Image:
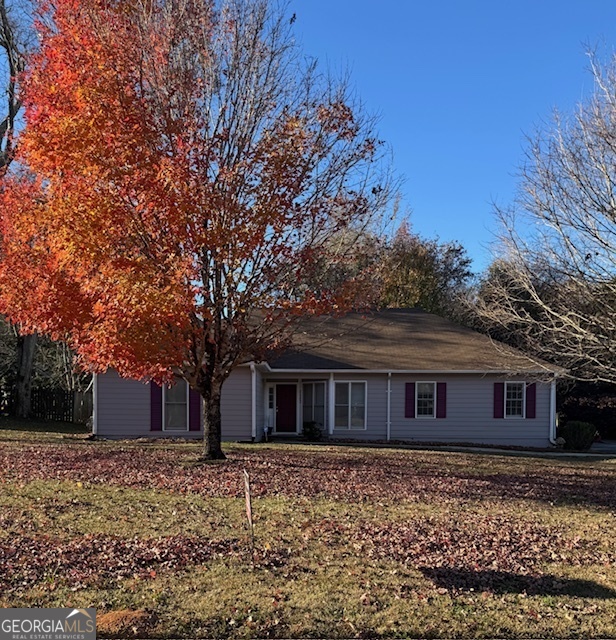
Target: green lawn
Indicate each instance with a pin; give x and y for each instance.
(350, 542)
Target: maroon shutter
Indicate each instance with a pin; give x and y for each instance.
(499, 399)
(409, 400)
(194, 410)
(156, 407)
(441, 399)
(531, 400)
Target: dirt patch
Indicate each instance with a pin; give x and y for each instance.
(123, 622)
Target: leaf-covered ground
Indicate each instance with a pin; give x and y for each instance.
(349, 542)
(338, 473)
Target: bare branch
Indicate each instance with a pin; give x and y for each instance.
(553, 290)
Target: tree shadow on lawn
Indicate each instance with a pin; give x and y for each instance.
(502, 582)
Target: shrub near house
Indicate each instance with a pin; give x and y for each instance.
(578, 435)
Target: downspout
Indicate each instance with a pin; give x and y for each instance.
(253, 417)
(389, 406)
(331, 404)
(552, 436)
(95, 405)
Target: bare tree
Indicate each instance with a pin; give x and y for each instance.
(553, 289)
(15, 41)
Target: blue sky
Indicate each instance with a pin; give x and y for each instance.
(458, 85)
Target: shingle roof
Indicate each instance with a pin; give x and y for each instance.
(400, 339)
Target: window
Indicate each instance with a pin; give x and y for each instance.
(270, 398)
(175, 407)
(350, 405)
(514, 399)
(313, 405)
(425, 399)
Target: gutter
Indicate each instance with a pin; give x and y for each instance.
(357, 371)
(552, 436)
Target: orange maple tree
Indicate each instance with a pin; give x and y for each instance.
(186, 171)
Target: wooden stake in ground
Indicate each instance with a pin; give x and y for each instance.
(249, 513)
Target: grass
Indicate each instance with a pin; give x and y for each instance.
(38, 430)
(349, 542)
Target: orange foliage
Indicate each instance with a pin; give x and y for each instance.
(152, 232)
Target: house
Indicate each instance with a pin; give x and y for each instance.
(398, 374)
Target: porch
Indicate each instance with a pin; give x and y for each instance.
(291, 403)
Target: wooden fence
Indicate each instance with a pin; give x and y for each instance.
(83, 405)
(53, 405)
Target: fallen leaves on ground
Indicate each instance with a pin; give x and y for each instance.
(494, 542)
(491, 551)
(93, 558)
(346, 475)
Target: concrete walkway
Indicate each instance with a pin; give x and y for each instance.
(605, 446)
(604, 449)
(596, 452)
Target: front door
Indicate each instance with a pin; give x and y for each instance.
(286, 408)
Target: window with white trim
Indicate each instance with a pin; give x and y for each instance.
(270, 397)
(514, 399)
(313, 404)
(425, 399)
(350, 405)
(175, 406)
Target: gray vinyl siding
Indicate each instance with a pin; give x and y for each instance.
(236, 405)
(470, 411)
(123, 408)
(470, 414)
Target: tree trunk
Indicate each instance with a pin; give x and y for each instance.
(212, 423)
(26, 346)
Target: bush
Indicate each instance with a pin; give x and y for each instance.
(578, 435)
(312, 431)
(588, 402)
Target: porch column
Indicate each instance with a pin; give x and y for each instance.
(95, 404)
(389, 406)
(332, 405)
(253, 405)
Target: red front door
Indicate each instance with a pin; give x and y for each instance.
(286, 408)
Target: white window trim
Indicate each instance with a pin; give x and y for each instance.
(313, 383)
(523, 416)
(349, 427)
(180, 381)
(268, 414)
(424, 417)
